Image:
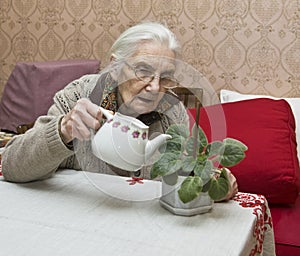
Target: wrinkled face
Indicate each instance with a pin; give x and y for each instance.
(139, 95)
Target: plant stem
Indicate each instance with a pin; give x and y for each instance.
(197, 129)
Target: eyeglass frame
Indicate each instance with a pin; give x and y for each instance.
(149, 79)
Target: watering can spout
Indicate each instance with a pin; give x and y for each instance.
(154, 144)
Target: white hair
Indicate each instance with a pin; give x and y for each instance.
(129, 41)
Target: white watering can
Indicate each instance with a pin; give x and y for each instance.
(122, 141)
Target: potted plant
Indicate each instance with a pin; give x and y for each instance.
(191, 169)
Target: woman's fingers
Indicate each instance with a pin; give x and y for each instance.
(87, 115)
(233, 186)
(79, 129)
(77, 123)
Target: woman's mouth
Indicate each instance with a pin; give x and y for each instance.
(145, 100)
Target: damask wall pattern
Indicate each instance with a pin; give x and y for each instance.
(250, 46)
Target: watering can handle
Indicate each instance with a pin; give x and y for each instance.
(106, 113)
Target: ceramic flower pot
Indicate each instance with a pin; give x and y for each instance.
(171, 201)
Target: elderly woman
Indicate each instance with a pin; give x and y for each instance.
(137, 82)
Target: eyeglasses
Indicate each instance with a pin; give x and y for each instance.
(145, 74)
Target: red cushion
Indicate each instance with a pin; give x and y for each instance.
(267, 127)
(31, 86)
(287, 250)
(287, 228)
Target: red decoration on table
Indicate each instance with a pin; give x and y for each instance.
(259, 205)
(135, 180)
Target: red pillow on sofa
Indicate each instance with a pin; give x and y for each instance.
(31, 86)
(267, 127)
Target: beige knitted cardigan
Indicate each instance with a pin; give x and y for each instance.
(40, 152)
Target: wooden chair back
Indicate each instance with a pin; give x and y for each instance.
(191, 97)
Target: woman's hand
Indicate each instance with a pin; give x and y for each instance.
(233, 186)
(77, 123)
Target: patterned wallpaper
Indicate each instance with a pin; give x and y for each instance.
(251, 46)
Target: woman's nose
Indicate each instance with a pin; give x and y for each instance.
(154, 84)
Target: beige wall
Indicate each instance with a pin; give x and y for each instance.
(251, 46)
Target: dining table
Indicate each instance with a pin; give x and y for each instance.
(86, 213)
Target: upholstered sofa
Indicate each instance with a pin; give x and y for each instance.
(270, 128)
(267, 126)
(285, 213)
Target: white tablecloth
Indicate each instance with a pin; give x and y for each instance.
(75, 213)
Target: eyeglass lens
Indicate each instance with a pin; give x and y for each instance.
(167, 81)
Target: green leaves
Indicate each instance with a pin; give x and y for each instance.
(228, 153)
(200, 136)
(204, 170)
(190, 188)
(233, 152)
(231, 141)
(178, 130)
(179, 134)
(175, 145)
(167, 164)
(193, 155)
(219, 186)
(214, 148)
(188, 164)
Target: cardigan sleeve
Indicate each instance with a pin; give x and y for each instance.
(39, 152)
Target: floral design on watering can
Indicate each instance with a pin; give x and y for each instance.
(125, 128)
